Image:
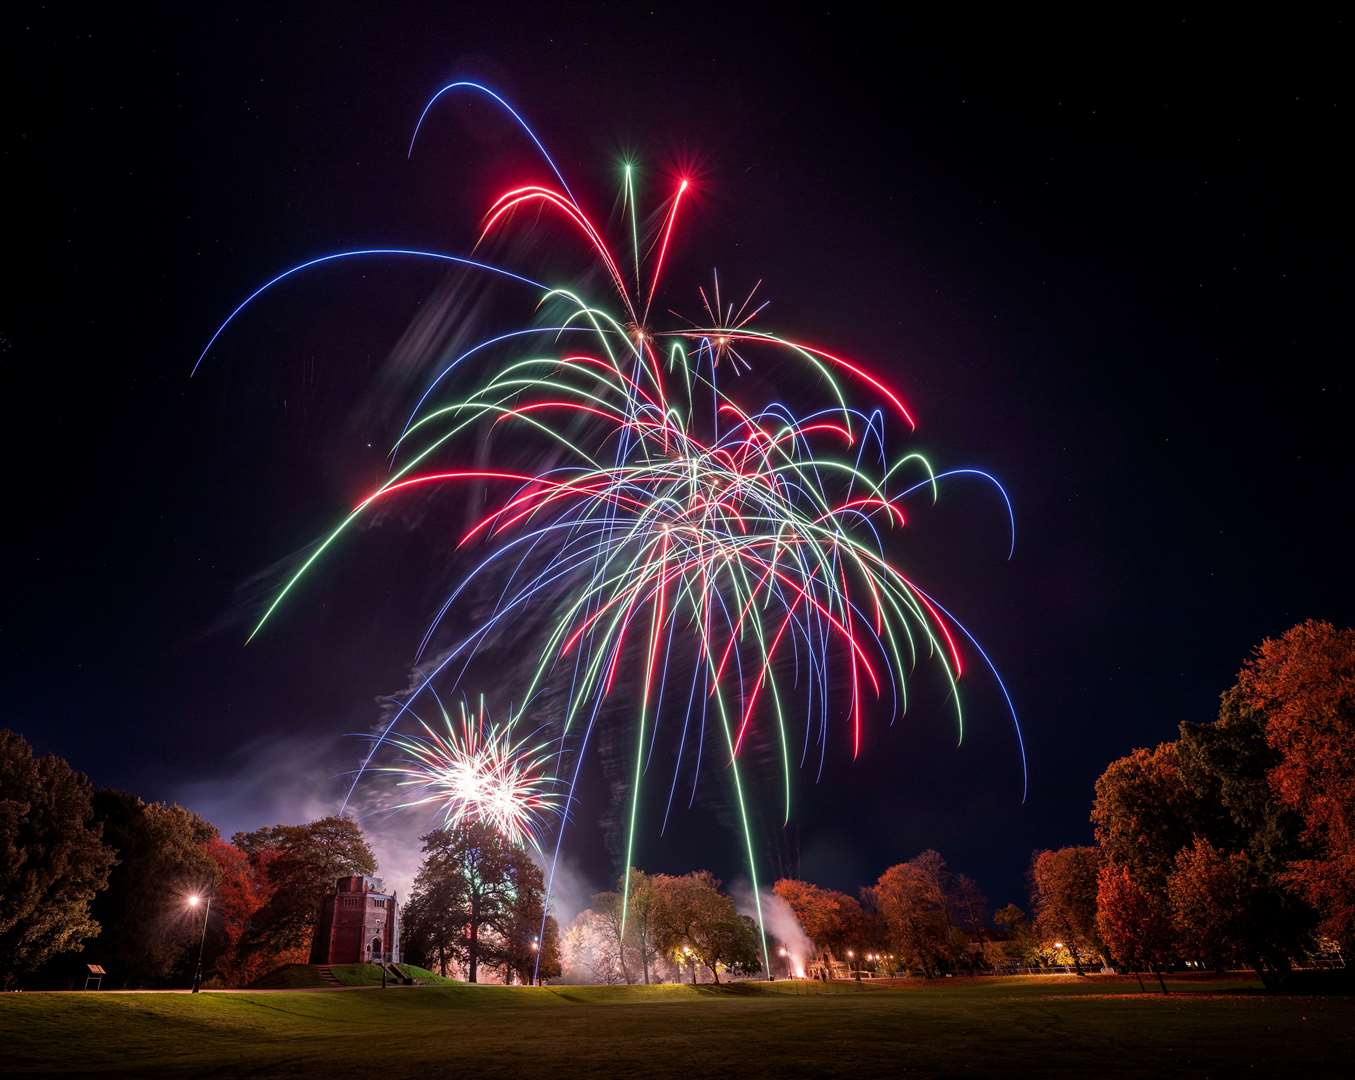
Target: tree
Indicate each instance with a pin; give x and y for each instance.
(552, 966)
(1304, 684)
(632, 911)
(1144, 813)
(237, 895)
(1133, 921)
(52, 860)
(587, 950)
(643, 903)
(1063, 893)
(1207, 799)
(1254, 838)
(912, 897)
(478, 899)
(1226, 764)
(1209, 892)
(434, 917)
(300, 864)
(477, 858)
(694, 920)
(691, 914)
(415, 947)
(675, 915)
(609, 909)
(730, 941)
(831, 920)
(969, 916)
(149, 932)
(1017, 943)
(526, 936)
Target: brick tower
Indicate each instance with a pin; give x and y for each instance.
(359, 923)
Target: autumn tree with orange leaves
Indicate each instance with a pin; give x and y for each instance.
(831, 920)
(237, 894)
(1063, 887)
(1303, 683)
(1134, 922)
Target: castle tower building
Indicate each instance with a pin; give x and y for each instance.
(359, 923)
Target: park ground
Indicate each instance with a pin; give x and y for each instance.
(1039, 1025)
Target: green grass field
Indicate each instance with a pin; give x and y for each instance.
(983, 1027)
(306, 976)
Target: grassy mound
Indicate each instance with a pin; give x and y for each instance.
(424, 977)
(307, 976)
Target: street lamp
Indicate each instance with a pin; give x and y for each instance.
(193, 901)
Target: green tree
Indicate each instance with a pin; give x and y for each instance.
(1227, 764)
(1017, 942)
(521, 939)
(627, 919)
(1254, 838)
(300, 864)
(433, 924)
(162, 858)
(52, 860)
(473, 876)
(643, 908)
(693, 918)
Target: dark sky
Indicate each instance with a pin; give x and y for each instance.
(1108, 261)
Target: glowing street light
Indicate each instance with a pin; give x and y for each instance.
(193, 901)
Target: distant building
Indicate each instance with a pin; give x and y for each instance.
(358, 924)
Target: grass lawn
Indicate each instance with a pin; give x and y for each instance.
(307, 976)
(1048, 1025)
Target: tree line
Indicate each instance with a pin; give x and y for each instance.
(661, 928)
(1232, 845)
(103, 877)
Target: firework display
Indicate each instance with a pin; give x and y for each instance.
(726, 566)
(475, 770)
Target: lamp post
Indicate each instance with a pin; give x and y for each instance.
(194, 901)
(536, 948)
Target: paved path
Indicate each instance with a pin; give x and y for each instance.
(269, 990)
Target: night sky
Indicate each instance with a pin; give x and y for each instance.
(1109, 263)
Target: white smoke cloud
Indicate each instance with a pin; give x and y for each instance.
(291, 779)
(781, 924)
(571, 891)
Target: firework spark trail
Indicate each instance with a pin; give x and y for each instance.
(478, 771)
(748, 541)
